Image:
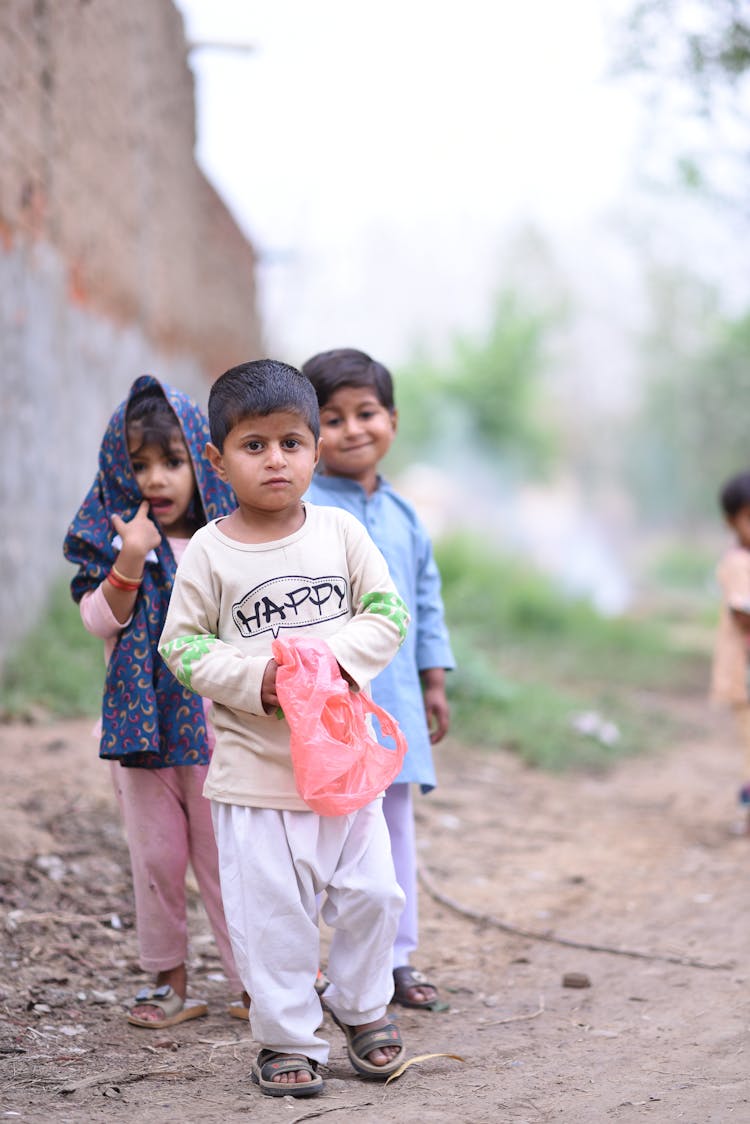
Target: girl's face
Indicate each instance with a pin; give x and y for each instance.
(167, 481)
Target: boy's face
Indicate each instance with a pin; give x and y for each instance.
(269, 462)
(356, 432)
(740, 524)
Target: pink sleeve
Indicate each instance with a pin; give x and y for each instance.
(98, 618)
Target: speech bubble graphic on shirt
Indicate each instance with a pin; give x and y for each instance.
(292, 601)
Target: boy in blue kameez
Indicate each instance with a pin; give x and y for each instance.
(358, 422)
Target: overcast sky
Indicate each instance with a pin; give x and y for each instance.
(388, 162)
(380, 157)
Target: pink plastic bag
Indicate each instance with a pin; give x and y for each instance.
(338, 764)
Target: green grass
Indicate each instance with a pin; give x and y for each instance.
(684, 567)
(59, 667)
(532, 662)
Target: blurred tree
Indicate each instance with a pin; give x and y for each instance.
(485, 396)
(495, 379)
(691, 430)
(706, 42)
(694, 56)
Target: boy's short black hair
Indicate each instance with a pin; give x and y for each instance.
(735, 494)
(345, 366)
(258, 389)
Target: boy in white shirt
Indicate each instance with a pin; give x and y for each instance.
(279, 565)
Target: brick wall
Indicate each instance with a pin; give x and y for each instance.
(116, 257)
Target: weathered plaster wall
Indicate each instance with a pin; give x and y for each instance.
(116, 257)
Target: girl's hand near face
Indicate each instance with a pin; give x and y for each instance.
(139, 536)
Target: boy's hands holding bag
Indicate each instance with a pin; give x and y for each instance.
(339, 766)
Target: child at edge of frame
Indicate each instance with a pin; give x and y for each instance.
(729, 678)
(153, 489)
(240, 576)
(358, 425)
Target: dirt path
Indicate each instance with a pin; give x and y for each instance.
(640, 859)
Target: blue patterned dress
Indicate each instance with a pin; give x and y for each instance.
(148, 719)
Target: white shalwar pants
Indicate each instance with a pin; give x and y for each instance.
(272, 864)
(399, 815)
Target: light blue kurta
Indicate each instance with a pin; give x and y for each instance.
(396, 530)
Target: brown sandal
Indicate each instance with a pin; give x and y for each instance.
(404, 979)
(270, 1064)
(361, 1043)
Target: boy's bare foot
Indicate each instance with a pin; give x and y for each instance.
(177, 980)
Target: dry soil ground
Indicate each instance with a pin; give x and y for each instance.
(640, 859)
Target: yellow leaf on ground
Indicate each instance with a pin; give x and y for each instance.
(421, 1058)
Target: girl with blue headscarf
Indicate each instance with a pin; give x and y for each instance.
(154, 488)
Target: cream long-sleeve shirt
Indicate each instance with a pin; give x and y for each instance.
(230, 600)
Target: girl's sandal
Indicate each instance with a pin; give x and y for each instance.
(269, 1064)
(241, 1009)
(174, 1008)
(321, 982)
(238, 1010)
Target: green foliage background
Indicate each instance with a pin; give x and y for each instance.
(690, 432)
(532, 660)
(529, 661)
(484, 400)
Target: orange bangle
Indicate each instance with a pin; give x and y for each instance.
(124, 577)
(126, 587)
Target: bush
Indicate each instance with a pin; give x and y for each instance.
(58, 667)
(543, 674)
(539, 673)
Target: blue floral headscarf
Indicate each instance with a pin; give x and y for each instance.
(148, 718)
